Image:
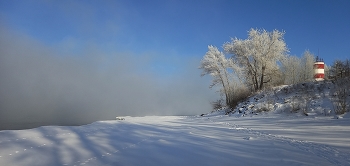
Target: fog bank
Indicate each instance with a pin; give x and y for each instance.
(41, 85)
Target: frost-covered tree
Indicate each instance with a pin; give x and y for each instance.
(291, 69)
(307, 63)
(215, 64)
(258, 55)
(298, 70)
(326, 71)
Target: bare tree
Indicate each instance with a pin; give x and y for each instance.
(347, 68)
(257, 56)
(340, 95)
(340, 69)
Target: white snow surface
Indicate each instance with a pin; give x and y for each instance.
(270, 128)
(213, 139)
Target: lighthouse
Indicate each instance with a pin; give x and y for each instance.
(319, 69)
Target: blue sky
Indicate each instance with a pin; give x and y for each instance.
(115, 51)
(180, 29)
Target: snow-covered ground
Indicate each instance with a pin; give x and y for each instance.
(216, 139)
(319, 98)
(288, 125)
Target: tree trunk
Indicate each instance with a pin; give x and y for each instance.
(262, 77)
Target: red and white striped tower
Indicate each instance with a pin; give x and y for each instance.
(319, 69)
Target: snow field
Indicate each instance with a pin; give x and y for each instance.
(173, 140)
(320, 136)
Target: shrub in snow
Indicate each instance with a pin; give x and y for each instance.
(295, 104)
(262, 107)
(218, 104)
(241, 94)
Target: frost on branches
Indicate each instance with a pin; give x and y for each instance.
(257, 56)
(298, 70)
(253, 64)
(225, 73)
(215, 64)
(259, 62)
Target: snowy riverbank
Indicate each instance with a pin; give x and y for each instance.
(172, 140)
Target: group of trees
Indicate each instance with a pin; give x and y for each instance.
(340, 74)
(298, 70)
(340, 69)
(255, 63)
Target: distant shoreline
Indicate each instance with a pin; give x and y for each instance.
(31, 125)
